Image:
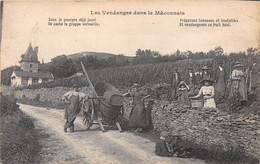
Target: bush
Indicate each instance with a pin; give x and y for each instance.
(8, 105)
(37, 97)
(19, 142)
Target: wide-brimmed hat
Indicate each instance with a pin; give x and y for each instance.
(205, 68)
(238, 64)
(135, 85)
(164, 134)
(190, 68)
(206, 79)
(175, 68)
(183, 83)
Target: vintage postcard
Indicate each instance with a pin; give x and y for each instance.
(130, 81)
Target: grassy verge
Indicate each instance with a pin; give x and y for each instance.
(19, 138)
(36, 102)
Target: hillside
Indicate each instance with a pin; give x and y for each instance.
(99, 55)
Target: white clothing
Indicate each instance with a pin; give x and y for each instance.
(208, 91)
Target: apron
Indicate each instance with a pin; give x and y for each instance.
(138, 116)
(71, 110)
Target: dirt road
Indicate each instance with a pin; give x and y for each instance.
(94, 146)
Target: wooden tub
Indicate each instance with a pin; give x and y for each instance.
(196, 103)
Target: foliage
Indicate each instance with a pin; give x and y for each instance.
(122, 77)
(19, 138)
(62, 67)
(6, 75)
(8, 105)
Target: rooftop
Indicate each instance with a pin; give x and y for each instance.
(45, 75)
(30, 55)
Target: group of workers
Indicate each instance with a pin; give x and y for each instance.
(193, 85)
(210, 85)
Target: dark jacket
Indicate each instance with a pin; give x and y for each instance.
(161, 149)
(174, 82)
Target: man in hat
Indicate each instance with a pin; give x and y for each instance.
(191, 81)
(253, 76)
(73, 99)
(205, 72)
(190, 77)
(238, 81)
(176, 146)
(175, 80)
(220, 79)
(161, 146)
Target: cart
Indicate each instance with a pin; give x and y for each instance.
(104, 107)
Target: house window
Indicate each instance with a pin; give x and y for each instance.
(31, 65)
(44, 80)
(24, 81)
(35, 80)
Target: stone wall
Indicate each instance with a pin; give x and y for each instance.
(207, 128)
(46, 94)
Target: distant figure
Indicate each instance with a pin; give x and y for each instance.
(176, 146)
(175, 80)
(73, 99)
(238, 81)
(190, 78)
(161, 146)
(183, 94)
(253, 78)
(220, 79)
(139, 118)
(208, 93)
(205, 72)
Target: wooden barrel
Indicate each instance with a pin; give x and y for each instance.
(196, 103)
(110, 93)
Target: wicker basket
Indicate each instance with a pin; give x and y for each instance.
(196, 103)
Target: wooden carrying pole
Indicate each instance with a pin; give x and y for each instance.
(89, 82)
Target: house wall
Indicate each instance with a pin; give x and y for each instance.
(16, 81)
(25, 66)
(30, 81)
(40, 80)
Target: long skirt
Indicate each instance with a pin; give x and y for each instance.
(71, 111)
(209, 103)
(138, 117)
(240, 86)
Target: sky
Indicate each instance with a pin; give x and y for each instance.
(27, 22)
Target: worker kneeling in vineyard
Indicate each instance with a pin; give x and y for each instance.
(73, 99)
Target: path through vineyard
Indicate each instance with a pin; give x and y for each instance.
(93, 146)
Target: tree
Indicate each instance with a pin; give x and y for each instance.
(219, 50)
(6, 74)
(62, 67)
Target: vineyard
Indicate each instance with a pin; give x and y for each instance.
(147, 74)
(124, 77)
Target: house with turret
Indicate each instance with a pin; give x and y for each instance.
(29, 70)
